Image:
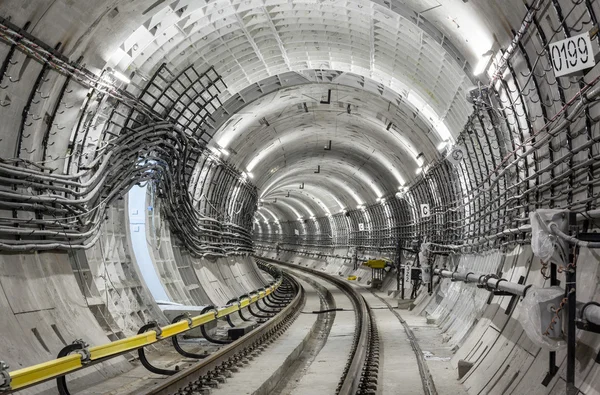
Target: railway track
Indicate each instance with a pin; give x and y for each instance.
(212, 371)
(362, 368)
(360, 371)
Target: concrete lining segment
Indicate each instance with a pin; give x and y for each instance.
(43, 289)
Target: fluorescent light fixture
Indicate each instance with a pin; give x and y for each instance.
(224, 152)
(442, 145)
(120, 76)
(419, 170)
(379, 199)
(215, 151)
(482, 65)
(420, 159)
(250, 175)
(399, 195)
(299, 218)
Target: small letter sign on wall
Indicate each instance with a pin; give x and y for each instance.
(425, 211)
(572, 54)
(296, 232)
(361, 226)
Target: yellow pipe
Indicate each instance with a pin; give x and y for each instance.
(174, 329)
(119, 346)
(227, 311)
(202, 319)
(44, 371)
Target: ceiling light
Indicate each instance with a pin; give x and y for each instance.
(224, 152)
(419, 170)
(442, 145)
(379, 199)
(250, 175)
(120, 76)
(482, 65)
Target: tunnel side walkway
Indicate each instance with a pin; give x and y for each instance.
(400, 372)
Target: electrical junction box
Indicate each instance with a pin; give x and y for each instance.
(415, 273)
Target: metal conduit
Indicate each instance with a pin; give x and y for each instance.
(486, 280)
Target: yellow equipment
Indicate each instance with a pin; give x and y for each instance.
(376, 263)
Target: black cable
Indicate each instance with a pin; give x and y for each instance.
(324, 311)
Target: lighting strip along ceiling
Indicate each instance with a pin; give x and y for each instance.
(247, 41)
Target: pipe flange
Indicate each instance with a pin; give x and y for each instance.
(4, 376)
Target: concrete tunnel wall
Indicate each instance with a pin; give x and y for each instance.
(479, 327)
(50, 299)
(54, 288)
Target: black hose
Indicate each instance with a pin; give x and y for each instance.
(176, 342)
(205, 333)
(61, 382)
(144, 360)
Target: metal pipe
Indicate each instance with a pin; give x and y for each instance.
(486, 280)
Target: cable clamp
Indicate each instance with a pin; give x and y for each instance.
(188, 318)
(4, 376)
(156, 327)
(83, 351)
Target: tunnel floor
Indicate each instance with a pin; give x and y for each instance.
(308, 358)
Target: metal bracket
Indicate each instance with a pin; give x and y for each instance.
(83, 351)
(5, 376)
(587, 326)
(80, 347)
(157, 329)
(142, 354)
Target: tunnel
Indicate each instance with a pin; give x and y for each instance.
(299, 197)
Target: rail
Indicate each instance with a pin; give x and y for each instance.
(358, 365)
(190, 381)
(87, 356)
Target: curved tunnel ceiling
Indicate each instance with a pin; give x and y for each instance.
(378, 80)
(384, 81)
(303, 119)
(375, 142)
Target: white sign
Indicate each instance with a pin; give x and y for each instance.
(407, 269)
(425, 211)
(361, 226)
(572, 54)
(296, 232)
(456, 155)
